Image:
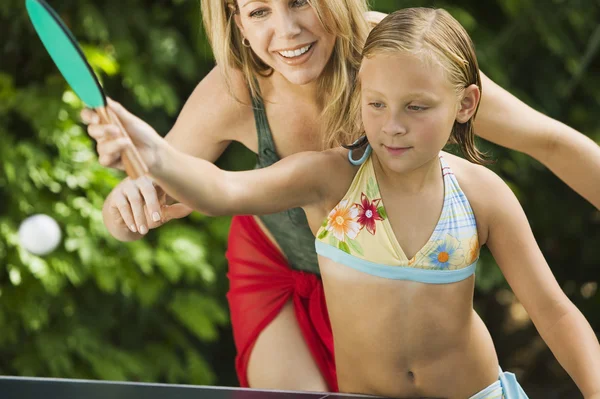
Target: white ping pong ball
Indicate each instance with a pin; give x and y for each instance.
(39, 234)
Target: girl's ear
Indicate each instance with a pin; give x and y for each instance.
(468, 104)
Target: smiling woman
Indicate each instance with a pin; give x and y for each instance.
(286, 36)
(285, 73)
(293, 55)
(326, 39)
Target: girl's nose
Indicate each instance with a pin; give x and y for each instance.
(394, 126)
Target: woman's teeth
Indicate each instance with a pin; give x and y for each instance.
(295, 53)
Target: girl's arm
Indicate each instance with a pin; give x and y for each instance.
(205, 134)
(562, 326)
(300, 180)
(572, 156)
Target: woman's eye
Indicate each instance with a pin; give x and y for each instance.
(377, 105)
(416, 108)
(258, 13)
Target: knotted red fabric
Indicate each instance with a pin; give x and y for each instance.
(260, 284)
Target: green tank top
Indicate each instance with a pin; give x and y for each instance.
(290, 228)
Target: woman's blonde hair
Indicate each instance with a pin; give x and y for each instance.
(436, 35)
(343, 18)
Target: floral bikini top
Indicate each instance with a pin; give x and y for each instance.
(358, 234)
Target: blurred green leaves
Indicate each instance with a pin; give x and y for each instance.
(148, 310)
(97, 308)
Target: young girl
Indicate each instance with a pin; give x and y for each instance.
(399, 226)
(280, 326)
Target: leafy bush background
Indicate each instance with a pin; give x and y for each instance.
(155, 310)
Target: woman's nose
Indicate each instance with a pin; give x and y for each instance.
(287, 26)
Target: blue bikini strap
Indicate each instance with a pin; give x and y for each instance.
(362, 159)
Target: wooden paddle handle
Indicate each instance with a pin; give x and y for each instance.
(132, 160)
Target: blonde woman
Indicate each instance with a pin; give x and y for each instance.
(284, 76)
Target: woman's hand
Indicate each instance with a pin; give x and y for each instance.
(134, 206)
(138, 206)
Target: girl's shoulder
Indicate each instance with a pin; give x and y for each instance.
(336, 173)
(481, 186)
(472, 178)
(334, 162)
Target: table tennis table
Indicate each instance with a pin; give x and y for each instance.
(56, 388)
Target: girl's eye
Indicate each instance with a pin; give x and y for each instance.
(377, 105)
(299, 3)
(416, 108)
(258, 13)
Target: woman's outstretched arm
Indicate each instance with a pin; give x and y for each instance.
(505, 120)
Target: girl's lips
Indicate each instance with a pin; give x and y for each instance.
(397, 150)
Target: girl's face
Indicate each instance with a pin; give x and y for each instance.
(408, 109)
(287, 36)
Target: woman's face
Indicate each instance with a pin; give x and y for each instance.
(287, 36)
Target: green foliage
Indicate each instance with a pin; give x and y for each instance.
(95, 307)
(149, 310)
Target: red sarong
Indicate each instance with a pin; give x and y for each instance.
(260, 283)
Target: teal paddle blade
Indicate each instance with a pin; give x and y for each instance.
(66, 53)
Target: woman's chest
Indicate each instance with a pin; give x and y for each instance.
(293, 128)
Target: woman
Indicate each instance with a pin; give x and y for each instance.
(285, 71)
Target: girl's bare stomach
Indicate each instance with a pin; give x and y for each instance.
(403, 339)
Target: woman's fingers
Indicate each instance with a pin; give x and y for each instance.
(176, 211)
(141, 205)
(122, 204)
(150, 196)
(136, 203)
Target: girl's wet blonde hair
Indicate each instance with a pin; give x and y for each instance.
(343, 18)
(437, 37)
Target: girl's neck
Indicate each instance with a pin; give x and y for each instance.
(410, 182)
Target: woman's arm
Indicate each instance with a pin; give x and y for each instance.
(374, 17)
(572, 156)
(562, 326)
(212, 118)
